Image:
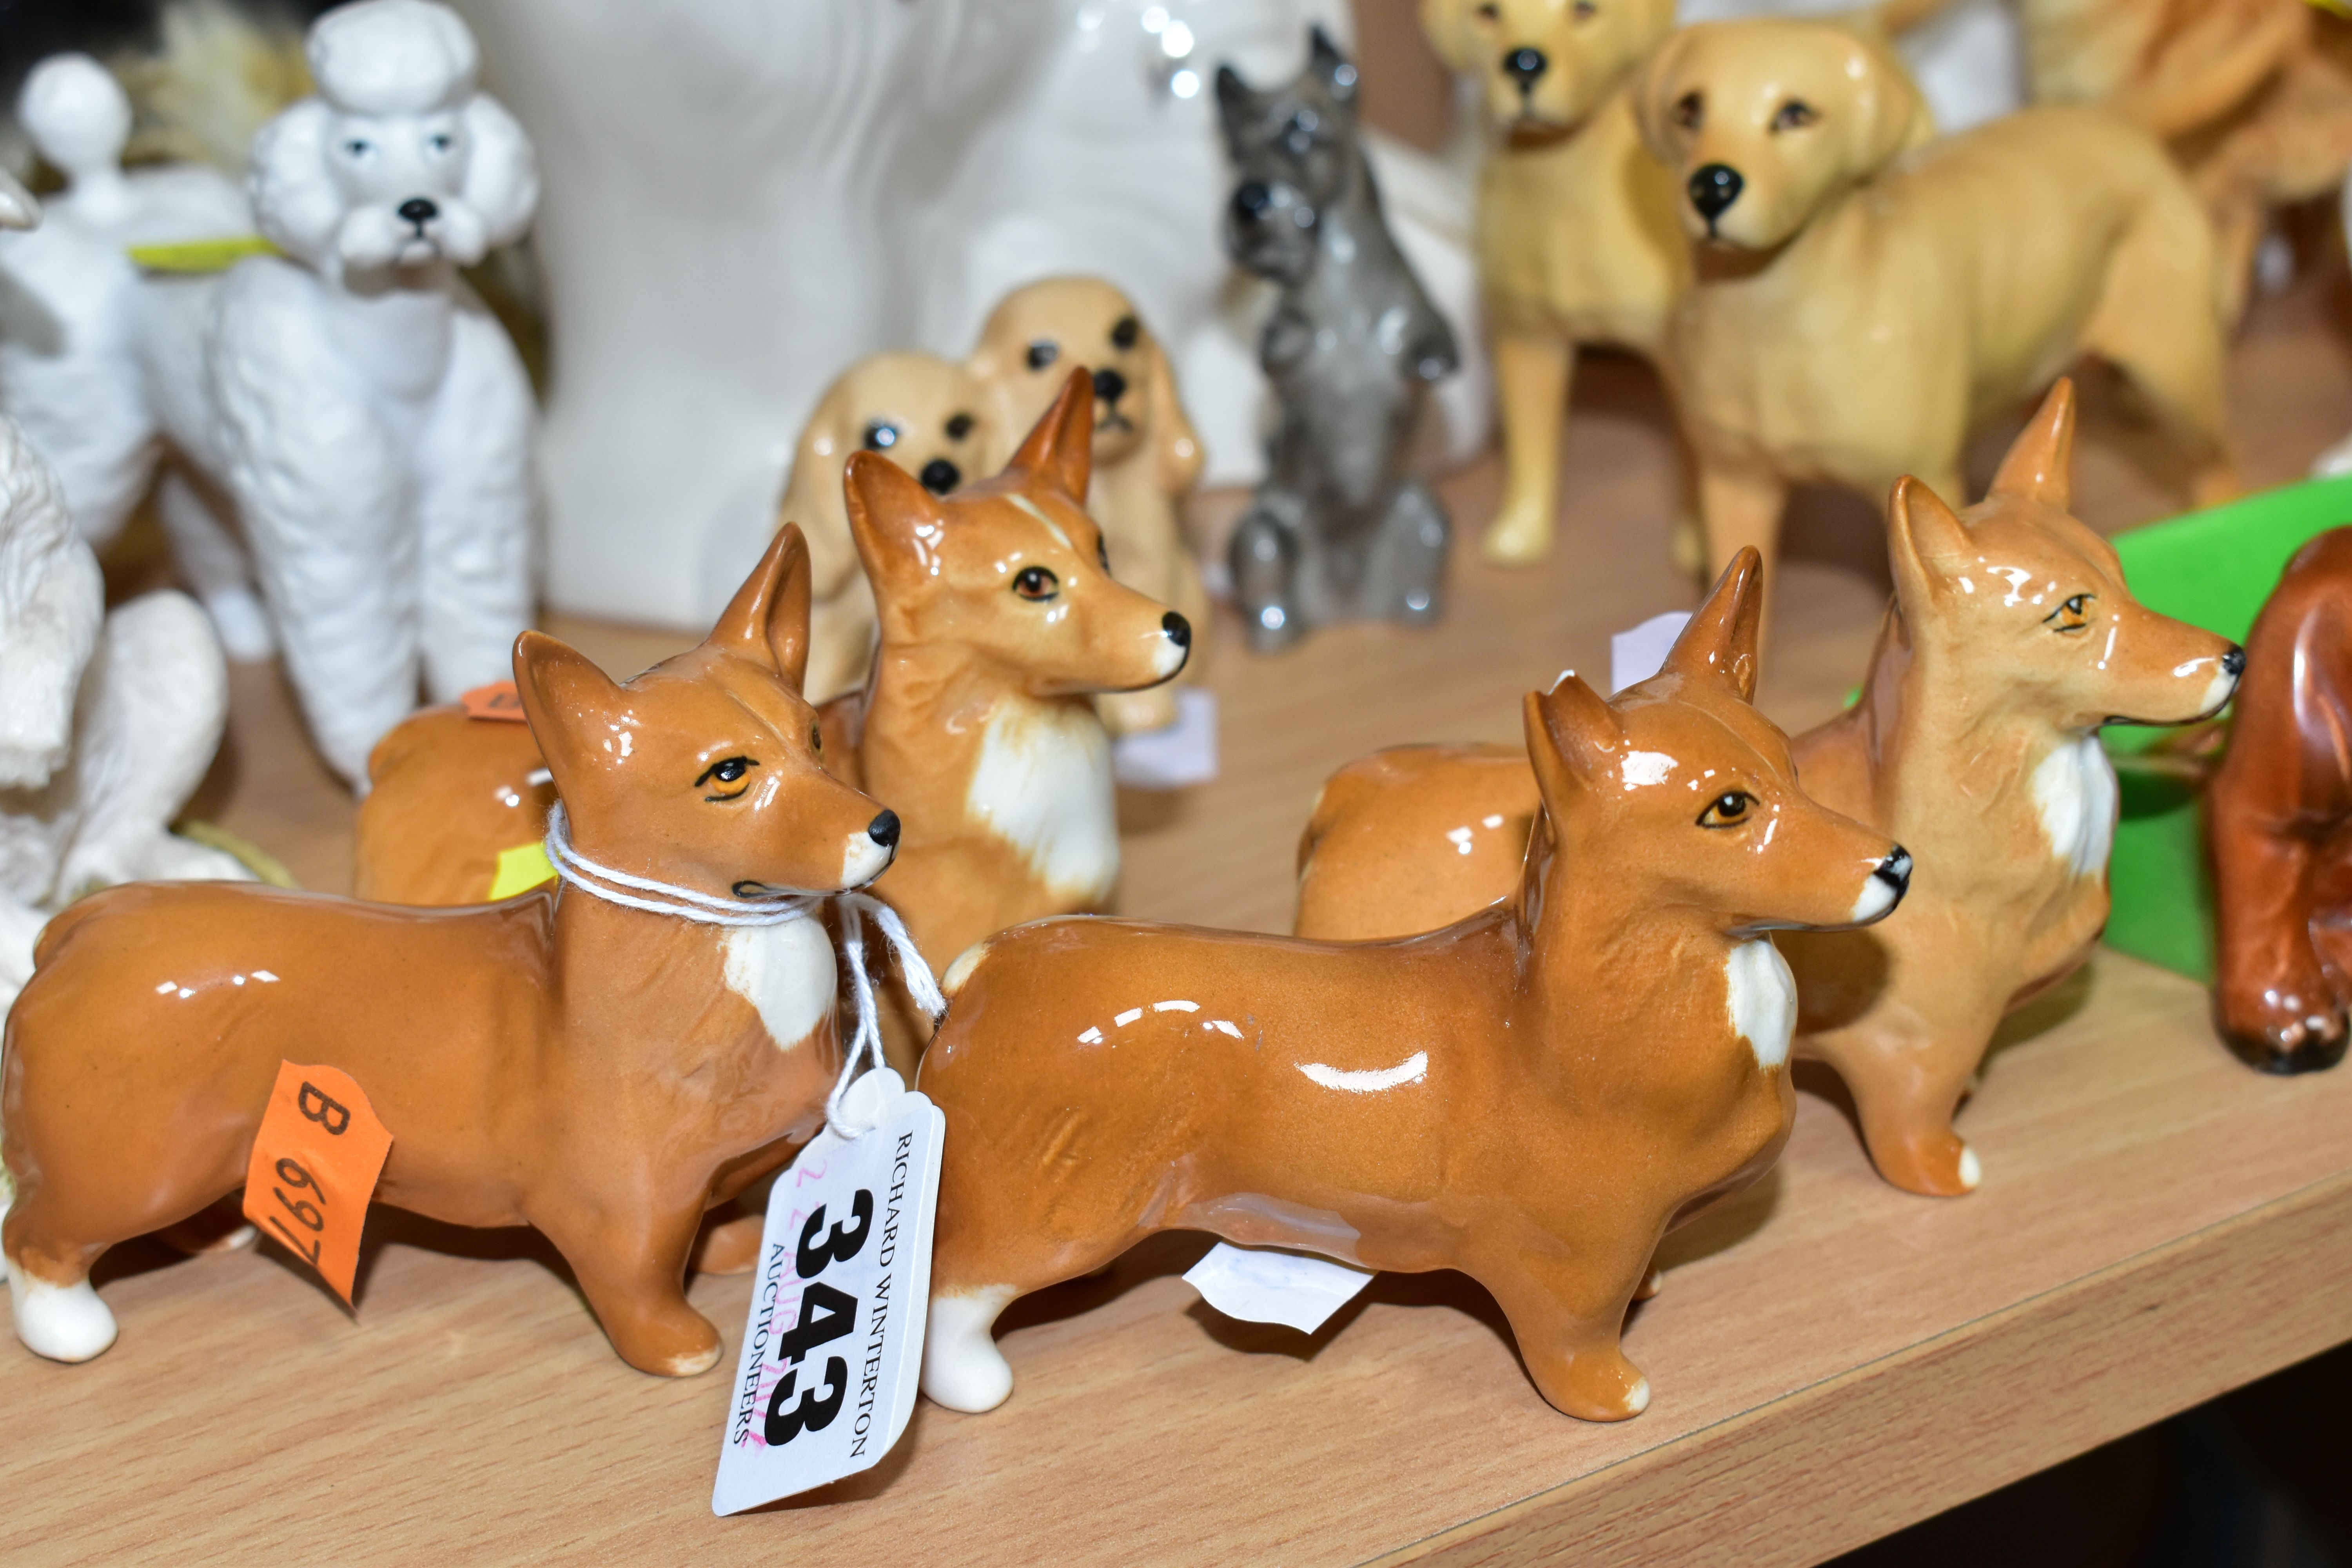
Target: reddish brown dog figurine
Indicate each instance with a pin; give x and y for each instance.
(2012, 640)
(2275, 821)
(563, 1060)
(1531, 1096)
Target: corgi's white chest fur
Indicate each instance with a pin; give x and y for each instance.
(2075, 795)
(1044, 786)
(1761, 996)
(787, 972)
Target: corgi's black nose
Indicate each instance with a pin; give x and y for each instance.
(1178, 629)
(1253, 198)
(1895, 871)
(2234, 661)
(884, 829)
(1524, 65)
(418, 211)
(1714, 188)
(1110, 386)
(939, 476)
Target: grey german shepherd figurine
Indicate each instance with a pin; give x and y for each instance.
(1336, 531)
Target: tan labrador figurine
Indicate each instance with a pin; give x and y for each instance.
(1862, 295)
(1146, 456)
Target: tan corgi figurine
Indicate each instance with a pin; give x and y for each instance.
(2011, 640)
(568, 1059)
(1147, 458)
(1532, 1095)
(1864, 296)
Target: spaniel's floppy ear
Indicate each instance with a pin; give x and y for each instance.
(812, 496)
(501, 171)
(1447, 24)
(1175, 445)
(295, 202)
(1891, 115)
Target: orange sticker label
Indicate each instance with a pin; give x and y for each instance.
(498, 699)
(314, 1166)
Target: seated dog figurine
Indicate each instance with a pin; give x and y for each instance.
(1863, 296)
(1976, 741)
(579, 1062)
(1335, 533)
(923, 413)
(1146, 457)
(2275, 816)
(361, 410)
(1533, 1095)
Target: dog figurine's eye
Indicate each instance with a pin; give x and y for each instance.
(1689, 110)
(1490, 13)
(1585, 10)
(2072, 616)
(1728, 809)
(1124, 331)
(1036, 583)
(732, 771)
(881, 436)
(1794, 115)
(1042, 353)
(441, 142)
(816, 738)
(959, 426)
(1102, 553)
(357, 148)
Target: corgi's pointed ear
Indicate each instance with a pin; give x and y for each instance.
(1571, 734)
(2041, 462)
(767, 621)
(564, 693)
(1926, 540)
(1060, 448)
(894, 520)
(1720, 640)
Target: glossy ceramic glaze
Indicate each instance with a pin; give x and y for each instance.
(2012, 640)
(1862, 295)
(1147, 458)
(602, 1073)
(2275, 820)
(1531, 1095)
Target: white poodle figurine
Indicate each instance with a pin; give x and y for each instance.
(352, 399)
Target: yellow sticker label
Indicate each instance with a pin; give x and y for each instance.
(201, 255)
(2340, 7)
(521, 869)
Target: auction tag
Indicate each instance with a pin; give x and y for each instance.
(1270, 1285)
(499, 701)
(314, 1166)
(834, 1347)
(1640, 653)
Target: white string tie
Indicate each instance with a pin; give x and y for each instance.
(771, 908)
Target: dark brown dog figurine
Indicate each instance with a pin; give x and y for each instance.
(2278, 825)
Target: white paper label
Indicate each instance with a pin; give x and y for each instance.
(1268, 1285)
(1636, 655)
(833, 1346)
(1183, 754)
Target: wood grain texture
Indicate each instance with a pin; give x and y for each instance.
(1832, 1359)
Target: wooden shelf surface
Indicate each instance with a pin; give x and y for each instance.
(1832, 1359)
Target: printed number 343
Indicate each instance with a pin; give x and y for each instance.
(826, 1314)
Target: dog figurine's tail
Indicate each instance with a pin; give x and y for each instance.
(79, 120)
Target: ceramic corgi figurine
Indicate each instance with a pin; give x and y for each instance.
(1864, 296)
(2011, 640)
(570, 1060)
(1147, 458)
(1532, 1095)
(2274, 817)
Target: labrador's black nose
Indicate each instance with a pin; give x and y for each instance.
(2234, 661)
(884, 829)
(1714, 188)
(939, 476)
(1524, 65)
(418, 211)
(1253, 198)
(1178, 629)
(1110, 386)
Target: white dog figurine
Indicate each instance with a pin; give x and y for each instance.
(358, 406)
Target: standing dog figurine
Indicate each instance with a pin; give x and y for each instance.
(603, 1064)
(1862, 298)
(1146, 457)
(2275, 818)
(1533, 1095)
(2011, 640)
(1336, 531)
(361, 408)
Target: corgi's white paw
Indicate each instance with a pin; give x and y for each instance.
(963, 1368)
(63, 1322)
